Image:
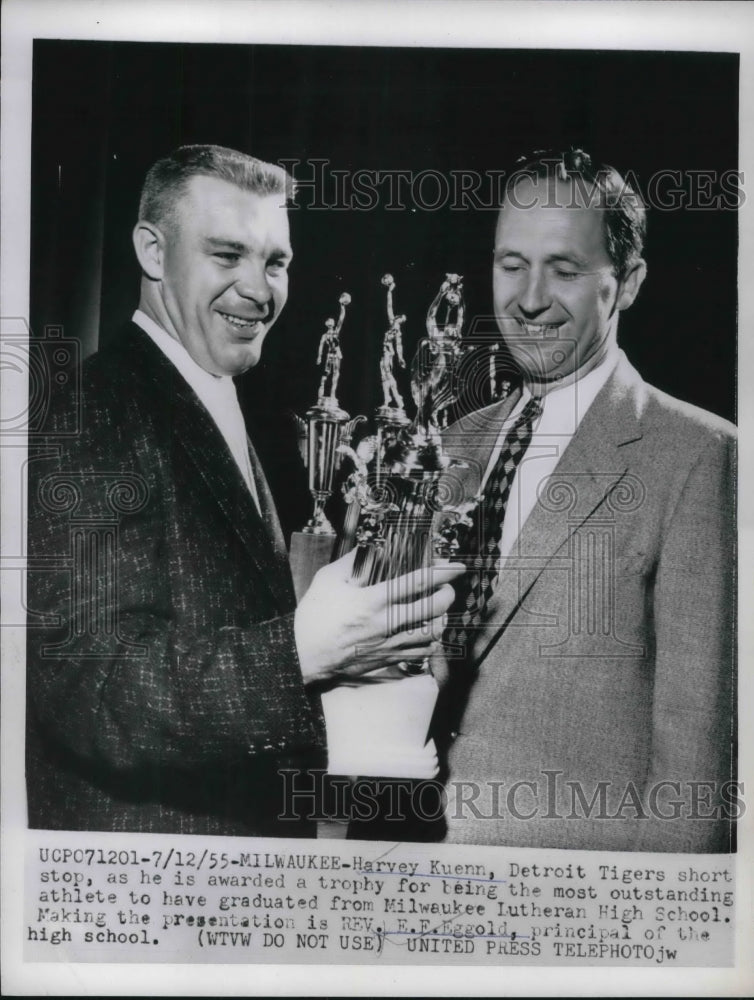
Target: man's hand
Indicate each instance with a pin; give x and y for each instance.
(343, 630)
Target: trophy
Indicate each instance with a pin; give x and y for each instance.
(392, 494)
(399, 518)
(377, 724)
(322, 435)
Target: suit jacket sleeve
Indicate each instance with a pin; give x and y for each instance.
(693, 699)
(192, 699)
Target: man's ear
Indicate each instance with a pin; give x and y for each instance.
(149, 244)
(630, 285)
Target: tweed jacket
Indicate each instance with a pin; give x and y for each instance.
(599, 688)
(164, 690)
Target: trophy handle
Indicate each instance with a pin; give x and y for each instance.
(302, 434)
(347, 429)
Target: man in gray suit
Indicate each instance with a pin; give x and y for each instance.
(591, 694)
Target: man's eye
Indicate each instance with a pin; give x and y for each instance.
(277, 266)
(228, 258)
(567, 275)
(511, 268)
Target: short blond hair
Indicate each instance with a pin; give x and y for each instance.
(166, 180)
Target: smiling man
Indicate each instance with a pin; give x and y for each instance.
(557, 290)
(215, 260)
(591, 697)
(170, 675)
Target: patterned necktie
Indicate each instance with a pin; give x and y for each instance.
(485, 533)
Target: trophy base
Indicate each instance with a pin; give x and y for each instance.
(322, 527)
(391, 416)
(328, 408)
(377, 725)
(309, 553)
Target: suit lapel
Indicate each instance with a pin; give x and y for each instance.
(267, 504)
(593, 464)
(194, 431)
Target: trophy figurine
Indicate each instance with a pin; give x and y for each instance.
(393, 411)
(330, 346)
(433, 383)
(327, 427)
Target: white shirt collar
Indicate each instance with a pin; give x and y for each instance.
(200, 380)
(563, 408)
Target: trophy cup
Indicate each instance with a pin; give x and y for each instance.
(321, 436)
(377, 724)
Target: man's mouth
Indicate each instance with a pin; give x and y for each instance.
(254, 325)
(538, 330)
(543, 331)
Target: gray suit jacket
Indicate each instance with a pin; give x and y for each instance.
(598, 692)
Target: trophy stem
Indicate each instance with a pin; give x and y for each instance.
(318, 523)
(363, 565)
(350, 524)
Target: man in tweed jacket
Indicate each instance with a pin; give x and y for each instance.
(594, 705)
(170, 676)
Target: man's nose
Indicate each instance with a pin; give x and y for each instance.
(252, 283)
(534, 297)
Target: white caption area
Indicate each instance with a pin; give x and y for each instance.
(145, 898)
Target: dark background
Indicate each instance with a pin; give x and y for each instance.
(104, 112)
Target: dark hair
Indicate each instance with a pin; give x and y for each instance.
(166, 180)
(625, 218)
